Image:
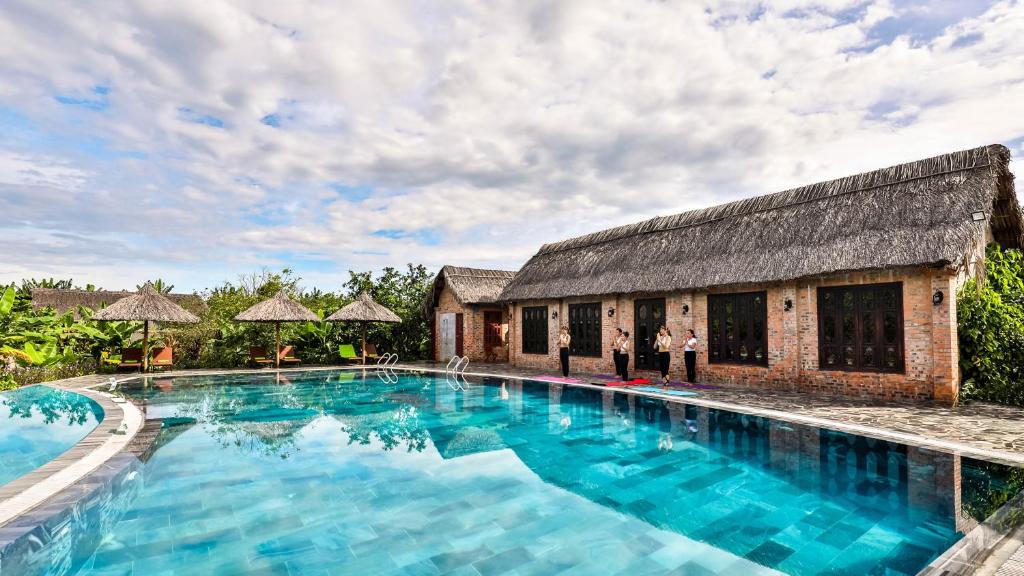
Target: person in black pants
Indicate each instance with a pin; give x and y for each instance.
(664, 344)
(624, 356)
(563, 349)
(616, 342)
(690, 356)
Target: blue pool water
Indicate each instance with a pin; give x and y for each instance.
(39, 423)
(334, 473)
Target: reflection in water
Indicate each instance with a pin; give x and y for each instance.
(418, 468)
(38, 423)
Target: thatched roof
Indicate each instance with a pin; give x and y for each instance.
(69, 300)
(468, 286)
(910, 215)
(280, 308)
(147, 304)
(471, 285)
(364, 309)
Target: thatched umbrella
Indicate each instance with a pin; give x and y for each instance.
(146, 306)
(278, 309)
(364, 310)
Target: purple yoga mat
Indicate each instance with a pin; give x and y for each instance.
(676, 384)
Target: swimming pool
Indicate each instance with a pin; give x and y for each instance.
(337, 473)
(39, 423)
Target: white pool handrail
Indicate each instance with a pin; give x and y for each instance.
(393, 360)
(460, 368)
(448, 367)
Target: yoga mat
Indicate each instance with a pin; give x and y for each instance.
(694, 386)
(657, 390)
(560, 380)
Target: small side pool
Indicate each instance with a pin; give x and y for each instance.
(39, 423)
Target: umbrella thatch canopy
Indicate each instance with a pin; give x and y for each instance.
(146, 306)
(364, 310)
(278, 309)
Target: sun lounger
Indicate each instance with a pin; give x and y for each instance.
(348, 354)
(162, 358)
(287, 355)
(258, 356)
(131, 359)
(372, 352)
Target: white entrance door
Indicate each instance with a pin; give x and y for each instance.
(447, 336)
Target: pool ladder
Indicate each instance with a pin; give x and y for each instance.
(460, 365)
(384, 365)
(456, 367)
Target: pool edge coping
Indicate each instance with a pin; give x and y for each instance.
(98, 447)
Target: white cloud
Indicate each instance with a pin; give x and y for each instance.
(476, 131)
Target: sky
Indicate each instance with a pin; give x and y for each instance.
(197, 140)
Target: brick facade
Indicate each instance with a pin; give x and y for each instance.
(472, 328)
(930, 338)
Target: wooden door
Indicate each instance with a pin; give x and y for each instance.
(492, 331)
(459, 335)
(648, 316)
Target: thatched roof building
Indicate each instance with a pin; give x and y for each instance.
(468, 285)
(69, 300)
(918, 214)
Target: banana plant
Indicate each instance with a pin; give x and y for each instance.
(40, 355)
(7, 302)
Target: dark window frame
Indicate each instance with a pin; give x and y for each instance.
(733, 320)
(868, 350)
(535, 329)
(585, 330)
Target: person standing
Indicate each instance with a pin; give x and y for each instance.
(563, 349)
(616, 342)
(663, 344)
(690, 356)
(624, 347)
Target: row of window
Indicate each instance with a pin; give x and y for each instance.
(860, 328)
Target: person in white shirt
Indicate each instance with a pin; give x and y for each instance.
(624, 347)
(690, 356)
(563, 349)
(663, 344)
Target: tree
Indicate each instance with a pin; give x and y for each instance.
(990, 318)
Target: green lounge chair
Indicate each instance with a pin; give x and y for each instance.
(348, 354)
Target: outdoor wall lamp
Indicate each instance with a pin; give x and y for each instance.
(978, 216)
(938, 297)
(686, 309)
(611, 312)
(788, 304)
(554, 315)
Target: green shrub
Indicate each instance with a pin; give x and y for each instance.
(990, 317)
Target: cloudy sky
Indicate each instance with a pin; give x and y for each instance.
(198, 139)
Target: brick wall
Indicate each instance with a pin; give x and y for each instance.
(472, 326)
(930, 339)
